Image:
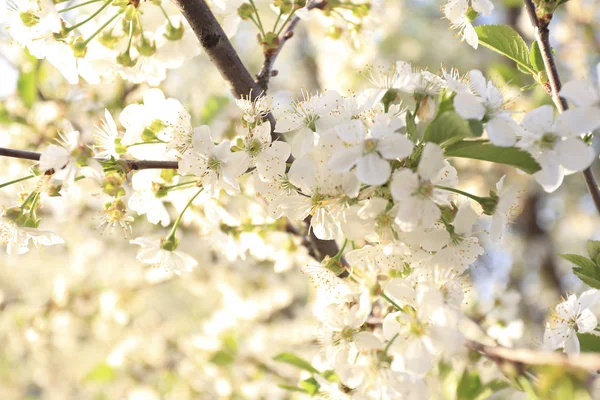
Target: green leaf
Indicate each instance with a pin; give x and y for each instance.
(476, 127)
(586, 270)
(593, 248)
(311, 386)
(578, 260)
(222, 358)
(589, 343)
(296, 361)
(447, 127)
(101, 373)
(469, 386)
(446, 101)
(506, 41)
(411, 127)
(483, 150)
(292, 388)
(27, 82)
(535, 57)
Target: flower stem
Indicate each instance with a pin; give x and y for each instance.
(389, 344)
(166, 16)
(338, 256)
(16, 181)
(111, 19)
(98, 11)
(259, 22)
(285, 22)
(77, 6)
(171, 235)
(469, 195)
(392, 302)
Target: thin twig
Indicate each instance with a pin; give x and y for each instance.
(132, 164)
(265, 73)
(526, 357)
(542, 36)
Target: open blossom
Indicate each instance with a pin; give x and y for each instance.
(424, 332)
(154, 253)
(107, 137)
(572, 316)
(157, 119)
(268, 157)
(457, 11)
(68, 158)
(586, 97)
(369, 151)
(216, 166)
(415, 192)
(17, 237)
(506, 210)
(555, 145)
(144, 199)
(308, 119)
(485, 103)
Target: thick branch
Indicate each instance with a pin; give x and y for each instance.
(132, 164)
(221, 52)
(263, 76)
(586, 361)
(542, 36)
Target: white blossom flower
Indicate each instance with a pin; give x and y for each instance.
(586, 96)
(415, 193)
(506, 210)
(268, 157)
(457, 12)
(554, 145)
(107, 137)
(144, 199)
(485, 103)
(308, 119)
(572, 316)
(153, 253)
(68, 158)
(425, 331)
(216, 166)
(17, 237)
(369, 152)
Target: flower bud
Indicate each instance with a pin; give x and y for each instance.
(174, 33)
(125, 59)
(489, 204)
(245, 11)
(169, 243)
(29, 19)
(147, 47)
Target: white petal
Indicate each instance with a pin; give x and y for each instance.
(395, 146)
(478, 81)
(469, 106)
(367, 341)
(344, 159)
(587, 321)
(484, 7)
(373, 170)
(404, 183)
(432, 161)
(539, 120)
(581, 120)
(470, 35)
(574, 154)
(582, 93)
(502, 131)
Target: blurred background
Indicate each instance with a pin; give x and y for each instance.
(87, 321)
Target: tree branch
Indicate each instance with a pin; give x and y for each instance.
(542, 36)
(132, 164)
(221, 53)
(225, 58)
(526, 357)
(265, 73)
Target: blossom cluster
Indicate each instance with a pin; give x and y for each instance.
(363, 170)
(136, 40)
